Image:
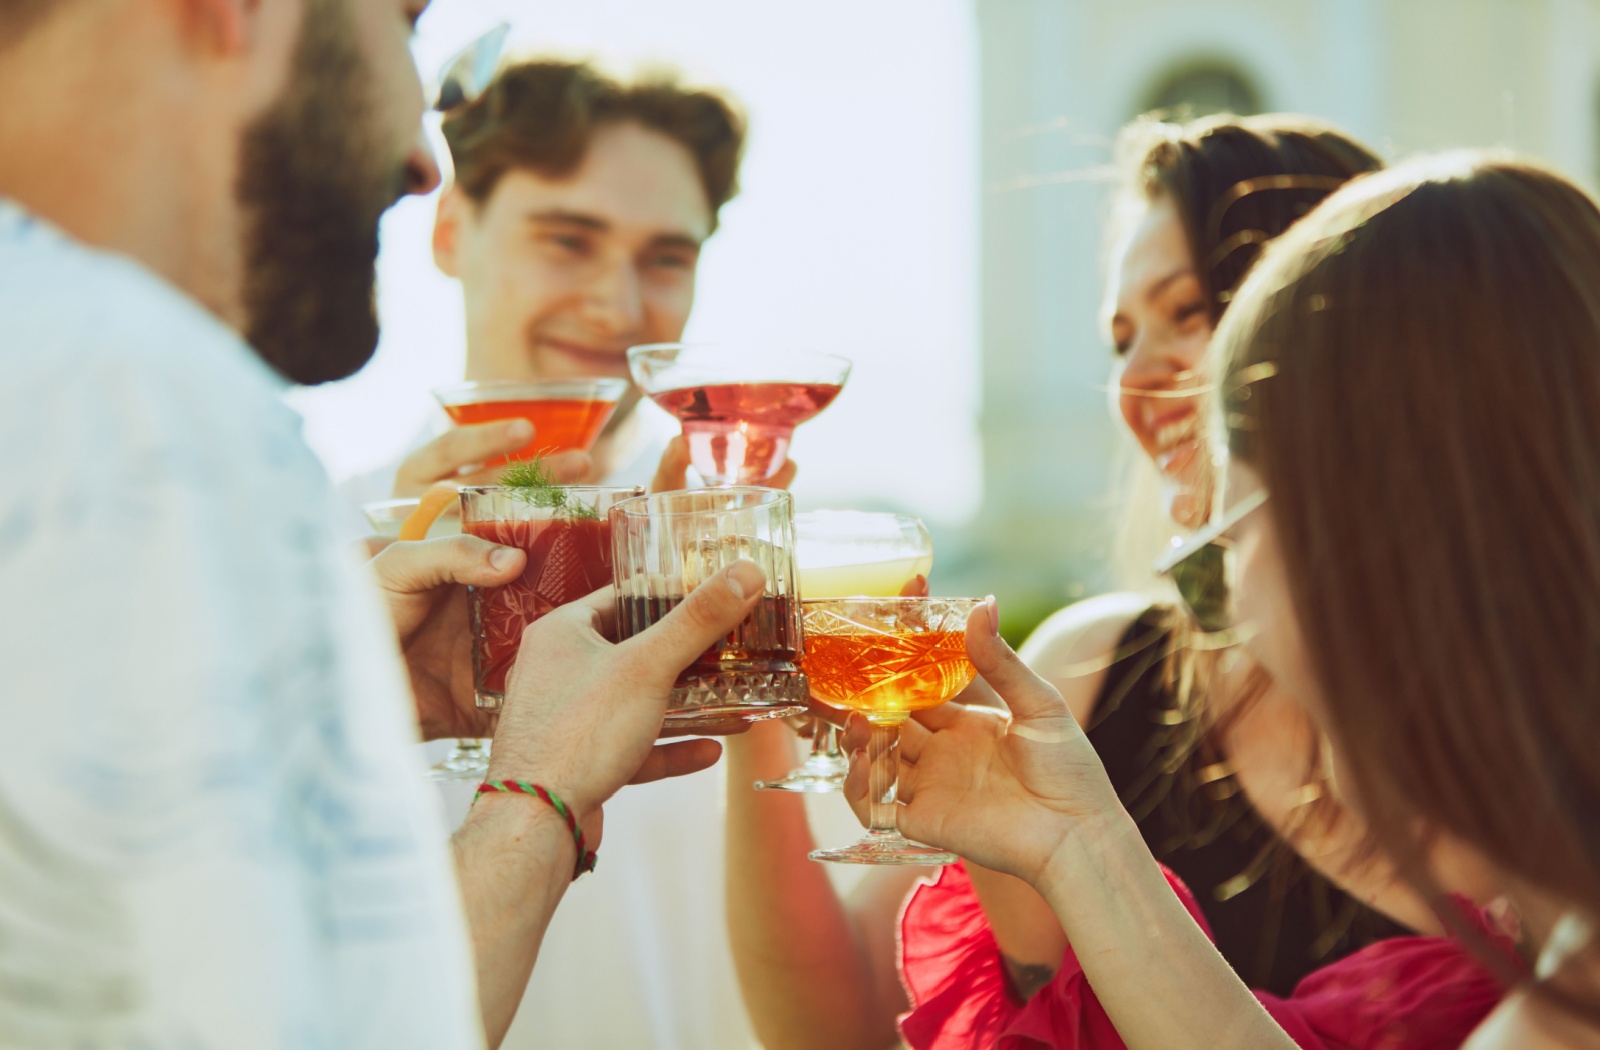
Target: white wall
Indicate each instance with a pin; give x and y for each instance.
(855, 232)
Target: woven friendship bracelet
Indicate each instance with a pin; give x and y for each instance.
(586, 856)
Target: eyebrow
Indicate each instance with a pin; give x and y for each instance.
(1155, 290)
(600, 225)
(1162, 285)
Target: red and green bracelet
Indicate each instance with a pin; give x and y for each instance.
(586, 856)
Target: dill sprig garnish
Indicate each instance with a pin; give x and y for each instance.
(530, 481)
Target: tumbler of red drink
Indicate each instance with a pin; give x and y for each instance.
(667, 544)
(569, 555)
(566, 414)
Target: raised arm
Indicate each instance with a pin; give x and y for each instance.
(1028, 796)
(1072, 650)
(581, 720)
(817, 970)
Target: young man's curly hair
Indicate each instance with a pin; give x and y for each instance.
(541, 116)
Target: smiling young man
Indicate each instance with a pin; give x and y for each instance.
(213, 830)
(574, 224)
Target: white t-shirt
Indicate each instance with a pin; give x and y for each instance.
(213, 832)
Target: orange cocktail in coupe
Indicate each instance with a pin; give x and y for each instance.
(886, 657)
(566, 414)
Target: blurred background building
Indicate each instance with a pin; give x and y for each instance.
(925, 193)
(1059, 77)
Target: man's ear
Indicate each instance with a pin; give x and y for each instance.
(454, 211)
(252, 42)
(223, 27)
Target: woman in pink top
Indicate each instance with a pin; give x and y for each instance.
(1400, 993)
(1408, 537)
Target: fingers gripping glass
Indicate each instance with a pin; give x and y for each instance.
(1202, 568)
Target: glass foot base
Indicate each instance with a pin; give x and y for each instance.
(727, 717)
(817, 776)
(732, 695)
(469, 760)
(885, 848)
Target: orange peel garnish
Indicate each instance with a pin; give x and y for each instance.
(433, 503)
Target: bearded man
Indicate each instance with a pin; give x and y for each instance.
(212, 830)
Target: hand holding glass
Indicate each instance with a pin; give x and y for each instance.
(567, 538)
(887, 657)
(664, 546)
(468, 758)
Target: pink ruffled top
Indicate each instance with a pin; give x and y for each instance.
(1403, 993)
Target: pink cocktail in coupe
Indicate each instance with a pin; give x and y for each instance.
(738, 406)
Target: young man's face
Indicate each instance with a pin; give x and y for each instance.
(560, 277)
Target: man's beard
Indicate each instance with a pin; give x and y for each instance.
(313, 183)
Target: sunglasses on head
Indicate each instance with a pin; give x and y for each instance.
(1202, 567)
(468, 72)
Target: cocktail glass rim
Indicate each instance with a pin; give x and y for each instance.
(481, 489)
(582, 388)
(718, 490)
(755, 354)
(921, 599)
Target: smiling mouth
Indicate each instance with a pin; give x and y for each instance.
(575, 350)
(1176, 444)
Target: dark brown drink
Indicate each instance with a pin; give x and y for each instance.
(666, 544)
(768, 642)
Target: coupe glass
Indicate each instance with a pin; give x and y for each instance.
(569, 556)
(468, 758)
(664, 545)
(738, 405)
(842, 554)
(566, 414)
(887, 657)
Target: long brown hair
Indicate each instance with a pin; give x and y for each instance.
(1414, 372)
(1236, 183)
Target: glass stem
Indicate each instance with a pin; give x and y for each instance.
(884, 771)
(468, 743)
(824, 739)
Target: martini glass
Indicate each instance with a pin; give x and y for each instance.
(566, 414)
(738, 405)
(843, 554)
(468, 758)
(886, 657)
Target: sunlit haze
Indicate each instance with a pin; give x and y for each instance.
(854, 233)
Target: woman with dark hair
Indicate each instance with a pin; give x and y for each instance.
(1218, 766)
(1409, 541)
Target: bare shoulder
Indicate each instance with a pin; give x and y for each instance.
(1073, 649)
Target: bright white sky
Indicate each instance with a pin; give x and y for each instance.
(855, 233)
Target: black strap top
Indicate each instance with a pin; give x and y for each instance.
(1274, 918)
